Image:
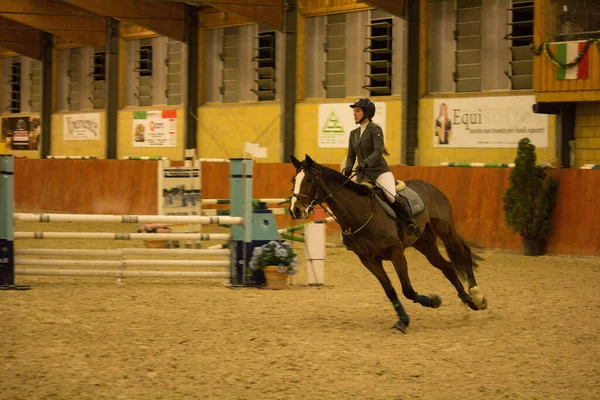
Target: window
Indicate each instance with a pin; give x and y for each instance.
(379, 64)
(520, 36)
(230, 58)
(174, 64)
(35, 96)
(143, 69)
(74, 74)
(569, 20)
(335, 54)
(98, 76)
(467, 72)
(265, 68)
(14, 79)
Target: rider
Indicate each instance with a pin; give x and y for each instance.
(366, 144)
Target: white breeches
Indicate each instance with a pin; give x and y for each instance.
(388, 183)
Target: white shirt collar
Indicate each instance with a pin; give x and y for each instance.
(363, 126)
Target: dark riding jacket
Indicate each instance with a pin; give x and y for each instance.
(368, 148)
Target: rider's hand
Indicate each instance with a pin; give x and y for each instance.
(359, 168)
(347, 172)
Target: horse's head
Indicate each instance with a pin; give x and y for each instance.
(307, 191)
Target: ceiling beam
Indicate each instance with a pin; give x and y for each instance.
(395, 7)
(269, 12)
(59, 19)
(214, 18)
(167, 19)
(20, 38)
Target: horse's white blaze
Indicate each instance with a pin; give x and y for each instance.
(297, 185)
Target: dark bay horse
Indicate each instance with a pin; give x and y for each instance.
(375, 236)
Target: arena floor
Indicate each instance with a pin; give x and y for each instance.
(90, 338)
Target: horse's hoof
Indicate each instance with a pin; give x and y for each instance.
(401, 326)
(468, 301)
(436, 301)
(479, 299)
(484, 303)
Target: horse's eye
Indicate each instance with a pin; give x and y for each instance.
(309, 180)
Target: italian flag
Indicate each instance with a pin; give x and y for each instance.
(566, 53)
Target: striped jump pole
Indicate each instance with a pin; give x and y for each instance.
(223, 160)
(477, 164)
(71, 157)
(7, 209)
(299, 227)
(279, 200)
(130, 219)
(144, 158)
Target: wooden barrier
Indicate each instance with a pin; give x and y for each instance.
(129, 187)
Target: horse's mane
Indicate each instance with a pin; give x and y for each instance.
(333, 175)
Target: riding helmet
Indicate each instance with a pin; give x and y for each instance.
(367, 106)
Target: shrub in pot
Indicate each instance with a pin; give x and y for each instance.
(530, 200)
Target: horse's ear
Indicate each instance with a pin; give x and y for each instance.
(309, 161)
(296, 162)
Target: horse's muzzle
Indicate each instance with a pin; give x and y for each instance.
(296, 213)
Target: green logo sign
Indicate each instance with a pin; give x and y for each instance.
(332, 125)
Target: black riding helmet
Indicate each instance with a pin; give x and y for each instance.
(367, 106)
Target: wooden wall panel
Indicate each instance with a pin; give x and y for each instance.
(86, 186)
(129, 187)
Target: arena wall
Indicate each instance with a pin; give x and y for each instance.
(129, 187)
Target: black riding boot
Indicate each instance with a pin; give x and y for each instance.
(401, 208)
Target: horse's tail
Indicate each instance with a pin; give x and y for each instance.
(463, 254)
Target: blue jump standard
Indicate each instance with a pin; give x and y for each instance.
(7, 248)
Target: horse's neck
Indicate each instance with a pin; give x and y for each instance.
(348, 206)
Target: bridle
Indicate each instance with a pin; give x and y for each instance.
(315, 201)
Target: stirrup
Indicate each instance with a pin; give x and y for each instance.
(412, 228)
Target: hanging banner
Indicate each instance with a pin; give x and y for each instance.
(336, 120)
(155, 128)
(487, 122)
(81, 126)
(21, 133)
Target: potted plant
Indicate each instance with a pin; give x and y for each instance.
(530, 200)
(276, 260)
(155, 228)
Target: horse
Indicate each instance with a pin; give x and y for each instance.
(373, 235)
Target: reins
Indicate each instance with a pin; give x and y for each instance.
(316, 201)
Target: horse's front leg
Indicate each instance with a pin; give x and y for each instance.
(376, 267)
(401, 267)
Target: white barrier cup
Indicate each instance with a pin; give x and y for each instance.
(314, 249)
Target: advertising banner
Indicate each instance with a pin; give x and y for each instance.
(487, 122)
(336, 120)
(155, 128)
(21, 133)
(81, 126)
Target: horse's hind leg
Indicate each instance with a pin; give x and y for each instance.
(427, 246)
(401, 267)
(375, 266)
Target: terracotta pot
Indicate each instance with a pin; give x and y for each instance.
(275, 280)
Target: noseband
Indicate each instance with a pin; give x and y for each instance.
(314, 200)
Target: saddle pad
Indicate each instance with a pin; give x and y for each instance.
(416, 203)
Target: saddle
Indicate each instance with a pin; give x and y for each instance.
(414, 204)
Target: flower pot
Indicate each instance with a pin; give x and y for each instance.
(533, 246)
(156, 244)
(275, 280)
